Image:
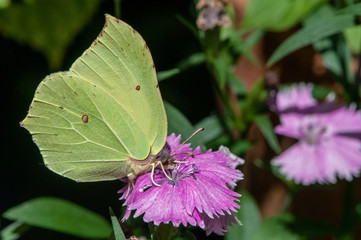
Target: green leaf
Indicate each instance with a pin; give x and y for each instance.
(240, 147)
(277, 15)
(179, 124)
(358, 209)
(267, 129)
(250, 218)
(118, 232)
(237, 84)
(224, 139)
(14, 231)
(4, 3)
(60, 215)
(191, 61)
(330, 56)
(241, 45)
(246, 48)
(354, 9)
(213, 128)
(353, 38)
(162, 231)
(310, 34)
(320, 92)
(232, 32)
(186, 235)
(254, 104)
(191, 27)
(275, 228)
(336, 55)
(325, 11)
(254, 38)
(277, 173)
(162, 75)
(46, 26)
(221, 68)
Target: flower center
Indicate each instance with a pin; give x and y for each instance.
(313, 132)
(181, 171)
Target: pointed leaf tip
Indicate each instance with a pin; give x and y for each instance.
(117, 229)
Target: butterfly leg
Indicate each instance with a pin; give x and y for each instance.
(163, 170)
(154, 165)
(131, 178)
(152, 174)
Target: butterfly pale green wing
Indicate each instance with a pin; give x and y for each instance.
(107, 109)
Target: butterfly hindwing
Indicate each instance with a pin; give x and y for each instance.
(88, 121)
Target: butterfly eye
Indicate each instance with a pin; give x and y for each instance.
(85, 118)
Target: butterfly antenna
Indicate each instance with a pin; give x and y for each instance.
(197, 131)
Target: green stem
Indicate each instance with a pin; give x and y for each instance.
(346, 79)
(161, 232)
(211, 44)
(358, 81)
(288, 201)
(117, 8)
(348, 214)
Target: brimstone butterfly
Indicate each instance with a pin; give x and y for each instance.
(103, 119)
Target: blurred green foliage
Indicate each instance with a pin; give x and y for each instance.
(60, 215)
(250, 220)
(48, 26)
(278, 15)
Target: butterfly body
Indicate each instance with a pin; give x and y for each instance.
(104, 118)
(164, 157)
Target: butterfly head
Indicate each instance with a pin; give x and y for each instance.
(165, 157)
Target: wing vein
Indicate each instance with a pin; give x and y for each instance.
(100, 87)
(79, 133)
(110, 128)
(88, 161)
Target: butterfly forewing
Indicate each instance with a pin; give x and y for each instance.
(87, 122)
(119, 61)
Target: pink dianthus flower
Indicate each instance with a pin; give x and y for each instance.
(329, 137)
(199, 193)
